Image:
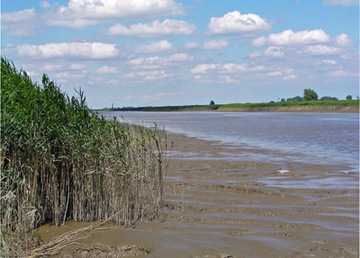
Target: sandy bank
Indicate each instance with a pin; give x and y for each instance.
(215, 206)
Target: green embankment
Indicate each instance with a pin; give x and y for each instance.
(304, 106)
(61, 161)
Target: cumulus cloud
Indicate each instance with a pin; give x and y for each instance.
(329, 61)
(341, 2)
(107, 70)
(288, 37)
(237, 68)
(44, 4)
(207, 45)
(80, 13)
(180, 57)
(154, 29)
(157, 47)
(215, 44)
(226, 68)
(343, 40)
(148, 75)
(157, 62)
(275, 51)
(21, 23)
(322, 50)
(204, 68)
(87, 50)
(236, 23)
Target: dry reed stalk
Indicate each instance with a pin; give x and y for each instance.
(54, 247)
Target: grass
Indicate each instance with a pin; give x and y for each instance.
(62, 161)
(326, 105)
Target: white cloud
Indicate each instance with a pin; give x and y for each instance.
(258, 42)
(215, 44)
(44, 4)
(288, 37)
(228, 79)
(237, 68)
(87, 50)
(156, 62)
(21, 23)
(274, 51)
(180, 57)
(208, 45)
(343, 40)
(136, 61)
(107, 70)
(20, 16)
(157, 47)
(148, 75)
(284, 74)
(329, 61)
(80, 13)
(154, 29)
(338, 73)
(341, 2)
(322, 50)
(204, 68)
(226, 68)
(78, 66)
(235, 23)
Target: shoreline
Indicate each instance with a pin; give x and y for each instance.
(220, 208)
(344, 106)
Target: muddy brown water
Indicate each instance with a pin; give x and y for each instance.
(215, 207)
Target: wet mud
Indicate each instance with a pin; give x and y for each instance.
(219, 205)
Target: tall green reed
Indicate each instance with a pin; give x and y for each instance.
(61, 161)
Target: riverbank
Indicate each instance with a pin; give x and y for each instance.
(215, 206)
(347, 106)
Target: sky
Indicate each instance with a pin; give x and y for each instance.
(184, 52)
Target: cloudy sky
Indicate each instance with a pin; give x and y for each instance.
(177, 52)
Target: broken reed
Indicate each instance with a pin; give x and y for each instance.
(62, 161)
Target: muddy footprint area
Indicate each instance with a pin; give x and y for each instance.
(216, 206)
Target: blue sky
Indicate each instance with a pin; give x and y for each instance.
(172, 52)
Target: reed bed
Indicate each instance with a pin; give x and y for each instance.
(61, 161)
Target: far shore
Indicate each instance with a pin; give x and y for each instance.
(343, 106)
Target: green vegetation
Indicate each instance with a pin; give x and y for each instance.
(321, 105)
(309, 102)
(310, 95)
(61, 161)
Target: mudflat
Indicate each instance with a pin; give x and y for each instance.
(216, 206)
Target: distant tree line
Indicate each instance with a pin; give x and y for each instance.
(311, 95)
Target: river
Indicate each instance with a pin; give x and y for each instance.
(326, 138)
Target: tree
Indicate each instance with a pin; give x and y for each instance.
(295, 99)
(348, 97)
(310, 95)
(329, 98)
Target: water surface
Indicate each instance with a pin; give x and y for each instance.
(314, 138)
